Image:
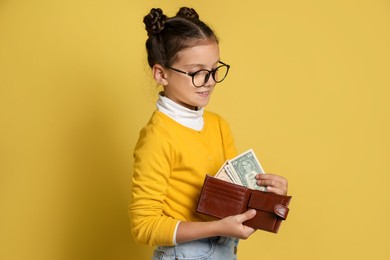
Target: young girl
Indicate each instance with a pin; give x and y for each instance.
(182, 143)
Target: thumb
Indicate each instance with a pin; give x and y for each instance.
(247, 215)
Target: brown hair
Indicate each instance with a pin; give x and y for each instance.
(168, 36)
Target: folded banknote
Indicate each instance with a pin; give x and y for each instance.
(242, 170)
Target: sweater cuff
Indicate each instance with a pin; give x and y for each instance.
(174, 233)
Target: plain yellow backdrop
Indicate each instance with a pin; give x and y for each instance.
(308, 90)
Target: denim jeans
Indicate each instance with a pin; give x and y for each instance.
(212, 248)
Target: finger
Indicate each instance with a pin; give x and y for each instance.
(247, 231)
(270, 176)
(271, 180)
(272, 183)
(276, 190)
(246, 215)
(274, 187)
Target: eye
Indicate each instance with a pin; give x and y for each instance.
(193, 72)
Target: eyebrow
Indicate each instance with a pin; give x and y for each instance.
(200, 65)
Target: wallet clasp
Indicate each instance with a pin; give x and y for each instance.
(281, 211)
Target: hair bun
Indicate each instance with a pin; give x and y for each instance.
(188, 13)
(154, 21)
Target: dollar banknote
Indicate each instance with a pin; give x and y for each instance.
(242, 170)
(223, 175)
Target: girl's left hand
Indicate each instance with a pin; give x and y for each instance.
(274, 183)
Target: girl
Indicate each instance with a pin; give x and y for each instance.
(182, 143)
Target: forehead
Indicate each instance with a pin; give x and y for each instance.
(206, 54)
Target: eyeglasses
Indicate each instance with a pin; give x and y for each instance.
(201, 77)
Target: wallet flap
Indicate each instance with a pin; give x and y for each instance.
(267, 202)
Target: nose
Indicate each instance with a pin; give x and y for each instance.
(207, 81)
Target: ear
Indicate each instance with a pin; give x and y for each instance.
(159, 74)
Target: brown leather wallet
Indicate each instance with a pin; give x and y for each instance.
(220, 199)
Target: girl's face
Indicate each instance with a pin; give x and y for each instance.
(179, 87)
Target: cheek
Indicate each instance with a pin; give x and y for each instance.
(177, 80)
(184, 85)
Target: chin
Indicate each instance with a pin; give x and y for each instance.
(195, 105)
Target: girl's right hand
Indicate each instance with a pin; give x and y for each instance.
(232, 226)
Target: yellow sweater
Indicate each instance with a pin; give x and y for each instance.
(170, 164)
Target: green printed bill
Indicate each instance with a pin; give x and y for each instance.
(242, 170)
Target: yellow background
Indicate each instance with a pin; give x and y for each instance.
(308, 90)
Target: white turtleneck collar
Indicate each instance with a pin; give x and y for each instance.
(187, 117)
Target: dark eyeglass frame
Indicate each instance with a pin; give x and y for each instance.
(207, 77)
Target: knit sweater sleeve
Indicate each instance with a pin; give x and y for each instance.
(153, 160)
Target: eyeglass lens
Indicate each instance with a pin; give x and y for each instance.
(201, 77)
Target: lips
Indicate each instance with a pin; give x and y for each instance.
(204, 93)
